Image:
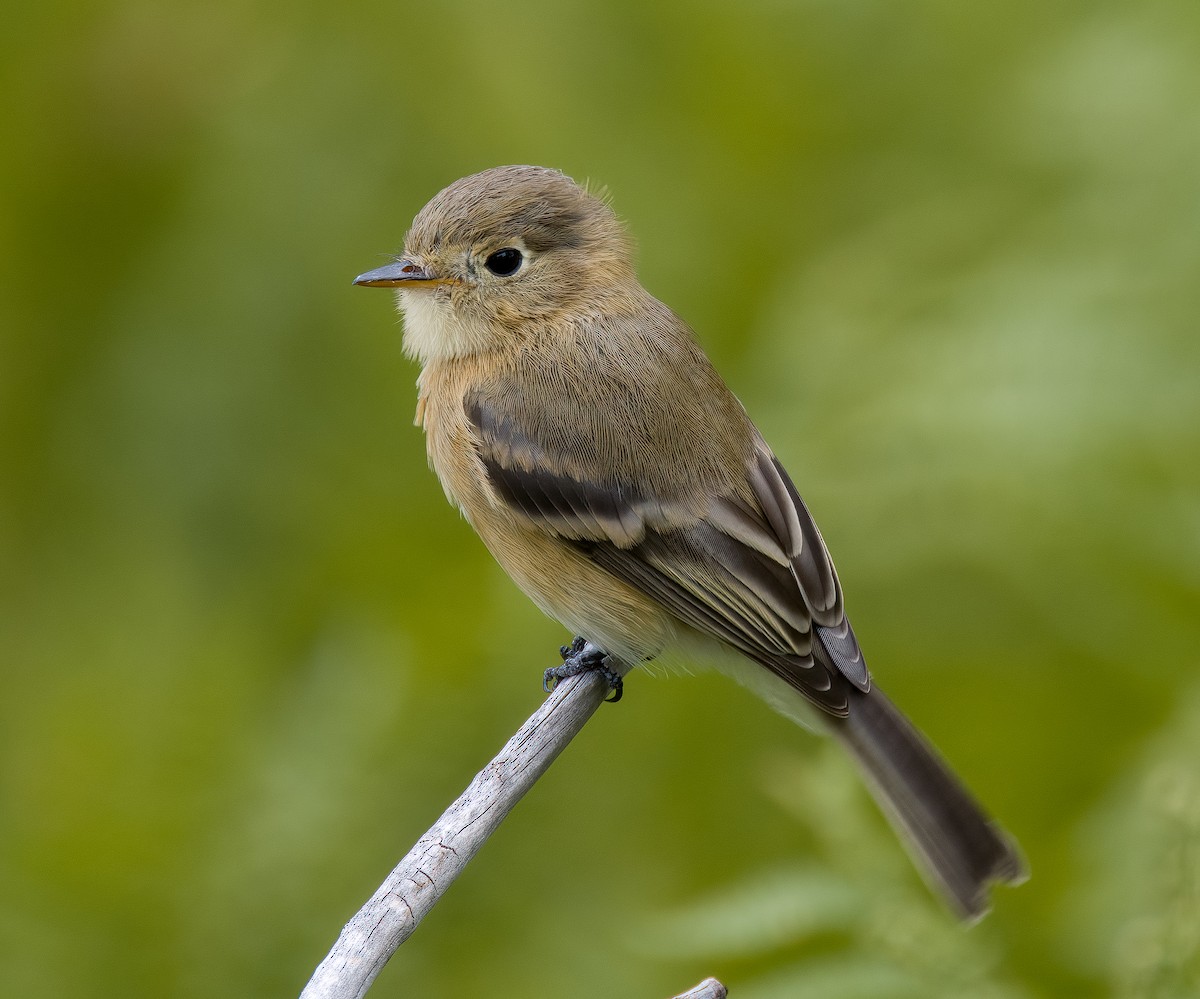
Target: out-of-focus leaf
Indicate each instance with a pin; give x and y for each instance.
(758, 914)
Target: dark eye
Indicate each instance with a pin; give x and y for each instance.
(504, 262)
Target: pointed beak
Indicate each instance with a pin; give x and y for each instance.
(403, 273)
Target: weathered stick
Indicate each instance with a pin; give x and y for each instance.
(420, 879)
(710, 988)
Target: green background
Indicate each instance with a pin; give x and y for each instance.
(947, 253)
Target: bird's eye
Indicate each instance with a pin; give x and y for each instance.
(504, 262)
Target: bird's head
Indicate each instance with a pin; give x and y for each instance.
(494, 252)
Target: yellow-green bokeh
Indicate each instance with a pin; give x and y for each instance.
(948, 254)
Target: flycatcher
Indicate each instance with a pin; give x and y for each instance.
(583, 433)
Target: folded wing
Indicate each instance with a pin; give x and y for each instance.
(745, 566)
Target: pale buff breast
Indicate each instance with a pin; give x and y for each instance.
(563, 582)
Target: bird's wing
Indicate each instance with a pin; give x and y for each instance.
(747, 567)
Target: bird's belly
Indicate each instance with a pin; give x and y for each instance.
(573, 590)
(560, 579)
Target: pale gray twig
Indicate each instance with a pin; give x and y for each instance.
(710, 988)
(420, 879)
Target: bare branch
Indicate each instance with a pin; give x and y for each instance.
(710, 988)
(419, 880)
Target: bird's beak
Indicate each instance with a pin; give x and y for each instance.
(403, 273)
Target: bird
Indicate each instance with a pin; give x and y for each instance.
(580, 428)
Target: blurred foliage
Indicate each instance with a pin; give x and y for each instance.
(1138, 919)
(948, 255)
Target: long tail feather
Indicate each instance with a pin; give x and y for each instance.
(952, 839)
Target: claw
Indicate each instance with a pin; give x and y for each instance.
(583, 657)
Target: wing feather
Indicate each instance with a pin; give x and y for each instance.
(751, 570)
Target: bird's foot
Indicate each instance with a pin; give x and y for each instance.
(581, 656)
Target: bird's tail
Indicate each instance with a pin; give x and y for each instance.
(953, 841)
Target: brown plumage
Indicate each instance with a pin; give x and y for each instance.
(586, 437)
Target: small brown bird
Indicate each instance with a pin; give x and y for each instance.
(586, 437)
